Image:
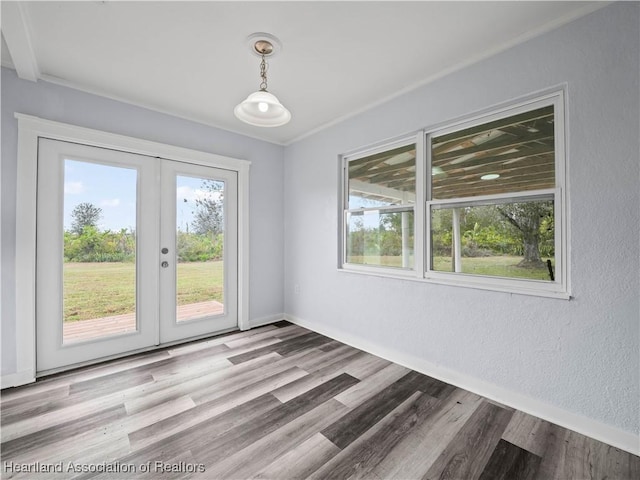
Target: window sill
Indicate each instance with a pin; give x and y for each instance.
(467, 281)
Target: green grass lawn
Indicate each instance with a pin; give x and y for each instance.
(496, 266)
(500, 266)
(94, 290)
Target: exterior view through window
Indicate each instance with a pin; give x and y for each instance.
(199, 248)
(492, 209)
(479, 203)
(380, 215)
(99, 273)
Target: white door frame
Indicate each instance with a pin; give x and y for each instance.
(31, 128)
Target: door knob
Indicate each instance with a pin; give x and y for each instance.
(164, 264)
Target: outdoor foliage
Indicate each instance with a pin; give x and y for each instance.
(206, 240)
(93, 245)
(517, 229)
(85, 242)
(514, 229)
(193, 247)
(533, 222)
(384, 240)
(208, 215)
(85, 215)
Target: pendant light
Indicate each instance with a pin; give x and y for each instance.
(262, 108)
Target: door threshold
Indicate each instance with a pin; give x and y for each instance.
(133, 353)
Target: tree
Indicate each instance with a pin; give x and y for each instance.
(355, 238)
(527, 219)
(85, 215)
(391, 231)
(208, 218)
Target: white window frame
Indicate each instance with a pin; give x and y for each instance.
(416, 139)
(559, 288)
(559, 285)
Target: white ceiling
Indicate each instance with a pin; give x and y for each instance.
(191, 59)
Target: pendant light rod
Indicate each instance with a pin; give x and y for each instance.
(263, 74)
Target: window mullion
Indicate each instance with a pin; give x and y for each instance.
(388, 209)
(422, 185)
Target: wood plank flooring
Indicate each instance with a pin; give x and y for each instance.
(280, 402)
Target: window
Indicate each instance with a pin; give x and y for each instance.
(495, 199)
(380, 207)
(490, 214)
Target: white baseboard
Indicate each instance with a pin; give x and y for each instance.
(18, 378)
(259, 322)
(616, 437)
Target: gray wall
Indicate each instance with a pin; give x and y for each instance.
(580, 355)
(71, 106)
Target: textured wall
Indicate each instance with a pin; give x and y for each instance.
(71, 106)
(580, 355)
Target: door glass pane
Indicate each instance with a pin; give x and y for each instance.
(99, 269)
(199, 247)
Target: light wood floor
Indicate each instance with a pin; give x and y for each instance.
(281, 402)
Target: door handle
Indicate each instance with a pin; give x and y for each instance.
(164, 264)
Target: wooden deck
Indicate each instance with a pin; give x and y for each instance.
(98, 327)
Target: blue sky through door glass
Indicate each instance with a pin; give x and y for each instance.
(112, 189)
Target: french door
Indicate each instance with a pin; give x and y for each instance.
(132, 252)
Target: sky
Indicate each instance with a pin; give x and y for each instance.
(113, 189)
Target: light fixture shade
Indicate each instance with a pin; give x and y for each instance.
(262, 109)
